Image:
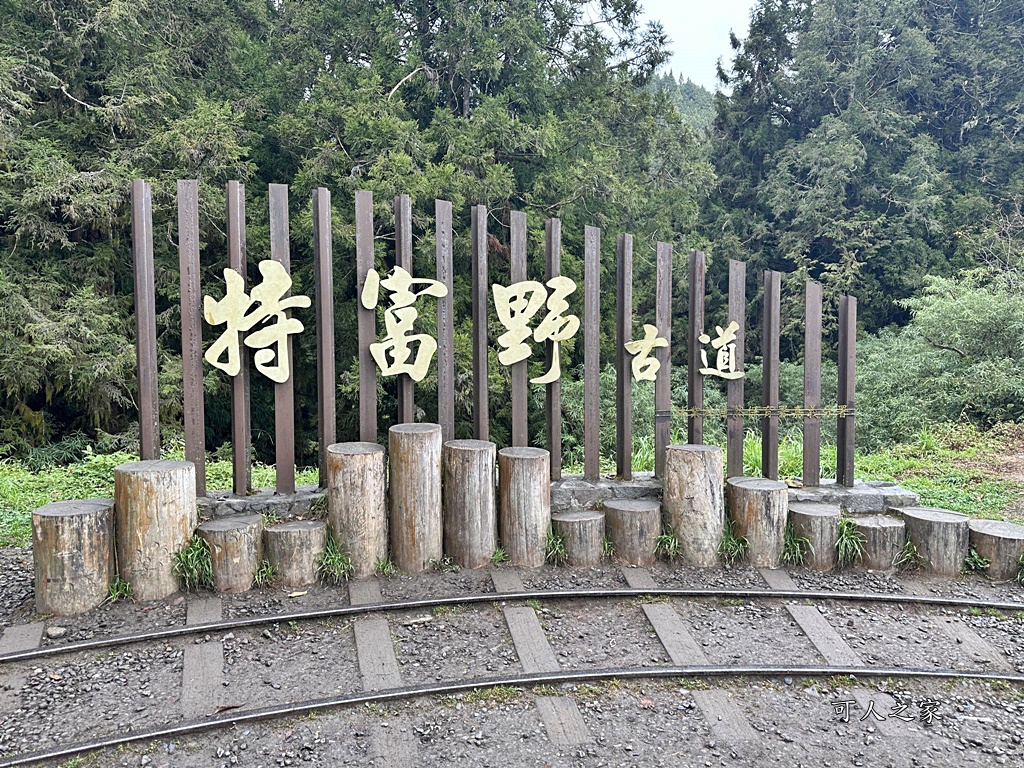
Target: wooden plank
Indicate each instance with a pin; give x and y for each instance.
(22, 637)
(364, 592)
(507, 580)
(623, 370)
(847, 379)
(777, 578)
(770, 369)
(553, 393)
(203, 610)
(663, 380)
(695, 327)
(366, 320)
(680, 645)
(812, 385)
(591, 354)
(531, 644)
(980, 650)
(734, 389)
(191, 330)
(518, 371)
(562, 720)
(445, 321)
(145, 320)
(202, 675)
(403, 258)
(324, 297)
(241, 427)
(376, 653)
(638, 578)
(726, 720)
(823, 636)
(284, 393)
(481, 291)
(395, 747)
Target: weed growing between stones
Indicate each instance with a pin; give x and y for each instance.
(385, 567)
(667, 545)
(607, 547)
(909, 558)
(795, 548)
(499, 556)
(264, 575)
(318, 508)
(194, 566)
(119, 590)
(733, 547)
(444, 565)
(850, 543)
(334, 566)
(975, 563)
(554, 548)
(1020, 570)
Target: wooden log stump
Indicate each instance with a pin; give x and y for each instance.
(236, 548)
(1002, 543)
(941, 537)
(470, 511)
(819, 524)
(633, 526)
(293, 549)
(583, 534)
(759, 508)
(357, 504)
(154, 517)
(525, 494)
(73, 551)
(414, 454)
(693, 501)
(883, 538)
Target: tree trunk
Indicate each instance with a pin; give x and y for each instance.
(758, 508)
(293, 549)
(73, 550)
(941, 537)
(414, 454)
(525, 489)
(357, 504)
(154, 515)
(235, 550)
(884, 537)
(819, 524)
(693, 502)
(583, 534)
(633, 527)
(1002, 543)
(470, 515)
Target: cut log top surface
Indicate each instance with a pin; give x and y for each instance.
(523, 453)
(233, 523)
(416, 428)
(877, 521)
(931, 514)
(632, 505)
(295, 525)
(757, 484)
(154, 465)
(70, 508)
(348, 449)
(813, 509)
(693, 448)
(582, 515)
(468, 445)
(998, 528)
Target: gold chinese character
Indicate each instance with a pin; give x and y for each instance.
(242, 312)
(645, 368)
(725, 362)
(517, 304)
(392, 353)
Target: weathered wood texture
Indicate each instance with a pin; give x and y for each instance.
(518, 371)
(941, 537)
(414, 458)
(759, 509)
(734, 389)
(481, 292)
(693, 501)
(663, 380)
(623, 368)
(366, 319)
(633, 526)
(770, 330)
(847, 388)
(236, 548)
(73, 551)
(470, 509)
(241, 424)
(357, 504)
(882, 539)
(445, 320)
(155, 515)
(591, 353)
(323, 289)
(403, 258)
(553, 393)
(294, 549)
(284, 393)
(695, 327)
(812, 385)
(193, 414)
(583, 534)
(1002, 543)
(525, 504)
(819, 524)
(145, 320)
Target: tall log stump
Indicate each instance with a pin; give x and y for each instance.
(236, 547)
(525, 493)
(941, 537)
(73, 551)
(357, 504)
(882, 539)
(583, 534)
(293, 549)
(693, 501)
(154, 516)
(1002, 543)
(633, 526)
(470, 511)
(758, 508)
(819, 524)
(414, 453)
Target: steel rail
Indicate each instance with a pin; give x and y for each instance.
(229, 625)
(526, 680)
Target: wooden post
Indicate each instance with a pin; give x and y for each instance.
(1001, 543)
(592, 354)
(770, 373)
(623, 369)
(366, 319)
(695, 323)
(241, 428)
(518, 372)
(759, 509)
(693, 504)
(847, 389)
(154, 516)
(882, 538)
(236, 548)
(819, 524)
(553, 394)
(324, 292)
(73, 551)
(812, 386)
(403, 259)
(294, 549)
(357, 504)
(633, 526)
(734, 389)
(414, 456)
(470, 513)
(942, 538)
(663, 380)
(525, 492)
(445, 321)
(191, 330)
(284, 393)
(145, 320)
(481, 290)
(583, 534)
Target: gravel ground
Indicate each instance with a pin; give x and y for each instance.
(752, 632)
(601, 636)
(16, 598)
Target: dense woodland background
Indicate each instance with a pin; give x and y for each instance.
(873, 145)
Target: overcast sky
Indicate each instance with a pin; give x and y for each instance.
(698, 33)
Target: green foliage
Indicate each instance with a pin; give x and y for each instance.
(554, 548)
(849, 543)
(194, 566)
(1020, 570)
(667, 545)
(333, 566)
(385, 567)
(795, 548)
(444, 565)
(975, 563)
(119, 590)
(733, 547)
(264, 575)
(318, 508)
(499, 556)
(607, 547)
(909, 558)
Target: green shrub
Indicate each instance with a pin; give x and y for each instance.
(334, 566)
(194, 566)
(849, 543)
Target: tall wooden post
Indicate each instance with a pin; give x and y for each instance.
(695, 327)
(284, 393)
(323, 270)
(145, 320)
(734, 389)
(623, 375)
(366, 319)
(241, 430)
(520, 413)
(591, 354)
(770, 371)
(553, 394)
(191, 330)
(847, 378)
(403, 259)
(812, 386)
(481, 289)
(445, 321)
(663, 381)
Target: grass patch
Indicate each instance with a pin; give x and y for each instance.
(555, 551)
(850, 543)
(119, 590)
(334, 566)
(795, 548)
(667, 545)
(264, 575)
(975, 563)
(385, 567)
(444, 565)
(909, 558)
(733, 547)
(194, 566)
(607, 548)
(500, 556)
(497, 695)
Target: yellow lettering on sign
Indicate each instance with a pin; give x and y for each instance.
(725, 360)
(516, 306)
(644, 367)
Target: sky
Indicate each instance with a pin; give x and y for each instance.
(699, 33)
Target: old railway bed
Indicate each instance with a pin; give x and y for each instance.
(168, 684)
